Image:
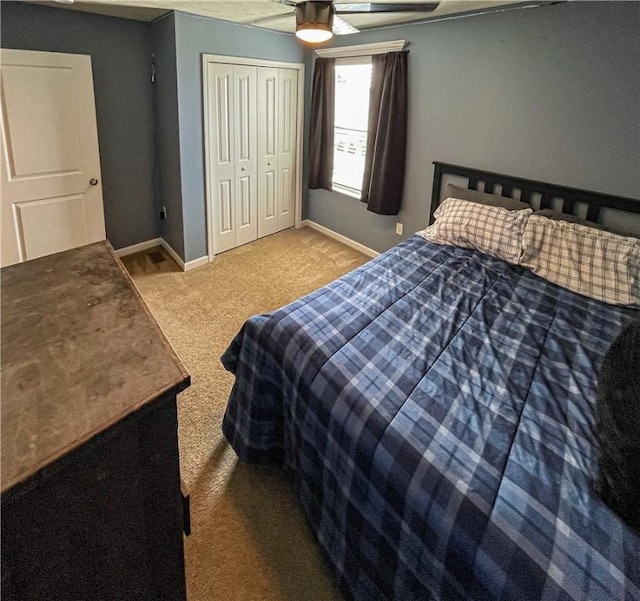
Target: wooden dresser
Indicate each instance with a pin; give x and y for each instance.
(91, 502)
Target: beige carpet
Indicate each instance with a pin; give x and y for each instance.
(249, 539)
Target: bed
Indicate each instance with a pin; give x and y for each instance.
(436, 407)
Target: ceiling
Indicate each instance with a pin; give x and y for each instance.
(272, 14)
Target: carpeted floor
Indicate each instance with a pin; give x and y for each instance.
(249, 539)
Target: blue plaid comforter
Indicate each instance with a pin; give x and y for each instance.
(437, 408)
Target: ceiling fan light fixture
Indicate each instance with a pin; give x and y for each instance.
(313, 34)
(314, 21)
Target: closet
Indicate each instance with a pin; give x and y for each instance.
(251, 133)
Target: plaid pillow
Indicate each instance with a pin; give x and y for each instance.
(495, 231)
(598, 264)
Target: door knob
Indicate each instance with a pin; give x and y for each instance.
(243, 168)
(93, 181)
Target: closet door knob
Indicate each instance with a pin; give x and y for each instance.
(243, 168)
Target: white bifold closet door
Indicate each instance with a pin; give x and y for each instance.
(252, 116)
(233, 154)
(277, 119)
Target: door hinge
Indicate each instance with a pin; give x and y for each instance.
(153, 68)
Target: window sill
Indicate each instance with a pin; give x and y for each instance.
(346, 191)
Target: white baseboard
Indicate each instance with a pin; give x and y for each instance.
(173, 254)
(365, 250)
(189, 265)
(136, 248)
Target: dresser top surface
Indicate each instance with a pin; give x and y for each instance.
(80, 350)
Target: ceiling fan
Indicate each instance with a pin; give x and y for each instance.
(318, 20)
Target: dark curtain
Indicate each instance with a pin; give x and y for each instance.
(321, 130)
(383, 180)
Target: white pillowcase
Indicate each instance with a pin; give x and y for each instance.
(596, 263)
(495, 231)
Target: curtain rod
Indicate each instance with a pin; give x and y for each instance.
(362, 49)
(369, 54)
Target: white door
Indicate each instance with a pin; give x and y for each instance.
(221, 155)
(246, 164)
(287, 122)
(268, 87)
(51, 193)
(231, 115)
(277, 123)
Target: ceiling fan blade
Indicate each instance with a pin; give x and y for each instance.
(273, 17)
(341, 27)
(368, 8)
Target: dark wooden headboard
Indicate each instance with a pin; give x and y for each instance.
(527, 190)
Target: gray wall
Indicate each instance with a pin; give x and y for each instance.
(195, 36)
(120, 52)
(167, 133)
(548, 93)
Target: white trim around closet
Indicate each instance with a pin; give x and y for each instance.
(234, 60)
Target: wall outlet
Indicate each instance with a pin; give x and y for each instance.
(163, 213)
(399, 228)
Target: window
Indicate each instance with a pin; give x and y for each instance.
(338, 155)
(353, 83)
